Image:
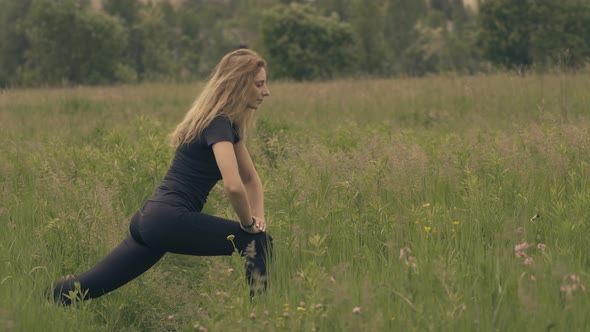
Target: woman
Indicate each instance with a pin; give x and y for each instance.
(209, 147)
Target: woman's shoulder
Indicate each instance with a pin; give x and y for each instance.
(220, 129)
(220, 120)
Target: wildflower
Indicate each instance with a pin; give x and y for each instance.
(520, 254)
(318, 306)
(455, 223)
(230, 270)
(252, 315)
(528, 261)
(202, 329)
(302, 304)
(521, 247)
(404, 251)
(231, 237)
(425, 205)
(356, 310)
(427, 228)
(300, 308)
(170, 317)
(266, 313)
(574, 278)
(541, 247)
(286, 314)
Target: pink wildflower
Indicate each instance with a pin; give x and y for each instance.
(574, 278)
(528, 261)
(541, 247)
(356, 310)
(252, 315)
(521, 247)
(170, 317)
(403, 252)
(520, 254)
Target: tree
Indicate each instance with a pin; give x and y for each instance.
(400, 28)
(368, 26)
(303, 44)
(519, 33)
(158, 57)
(12, 35)
(71, 44)
(505, 32)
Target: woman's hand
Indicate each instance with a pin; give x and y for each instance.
(261, 223)
(258, 225)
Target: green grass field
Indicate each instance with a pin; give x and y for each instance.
(395, 205)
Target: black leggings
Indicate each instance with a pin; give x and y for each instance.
(158, 228)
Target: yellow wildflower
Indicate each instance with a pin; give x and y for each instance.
(425, 205)
(455, 222)
(230, 237)
(427, 228)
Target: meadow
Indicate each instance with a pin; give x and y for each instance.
(444, 203)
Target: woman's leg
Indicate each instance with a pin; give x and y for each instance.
(199, 234)
(127, 261)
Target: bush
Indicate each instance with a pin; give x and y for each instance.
(304, 45)
(70, 44)
(521, 33)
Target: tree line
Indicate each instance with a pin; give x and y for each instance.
(67, 42)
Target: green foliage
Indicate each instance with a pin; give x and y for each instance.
(303, 44)
(70, 44)
(368, 25)
(13, 45)
(158, 56)
(526, 32)
(132, 40)
(400, 27)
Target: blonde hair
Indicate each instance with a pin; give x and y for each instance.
(224, 94)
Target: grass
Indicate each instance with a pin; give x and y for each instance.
(394, 205)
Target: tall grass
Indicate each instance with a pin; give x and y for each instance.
(394, 205)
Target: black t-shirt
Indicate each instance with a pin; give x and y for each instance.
(194, 171)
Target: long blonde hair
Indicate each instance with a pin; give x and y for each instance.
(224, 94)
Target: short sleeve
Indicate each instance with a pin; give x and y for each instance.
(219, 130)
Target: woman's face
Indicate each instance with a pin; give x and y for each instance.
(260, 90)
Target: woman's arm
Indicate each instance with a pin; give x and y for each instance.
(250, 179)
(232, 182)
